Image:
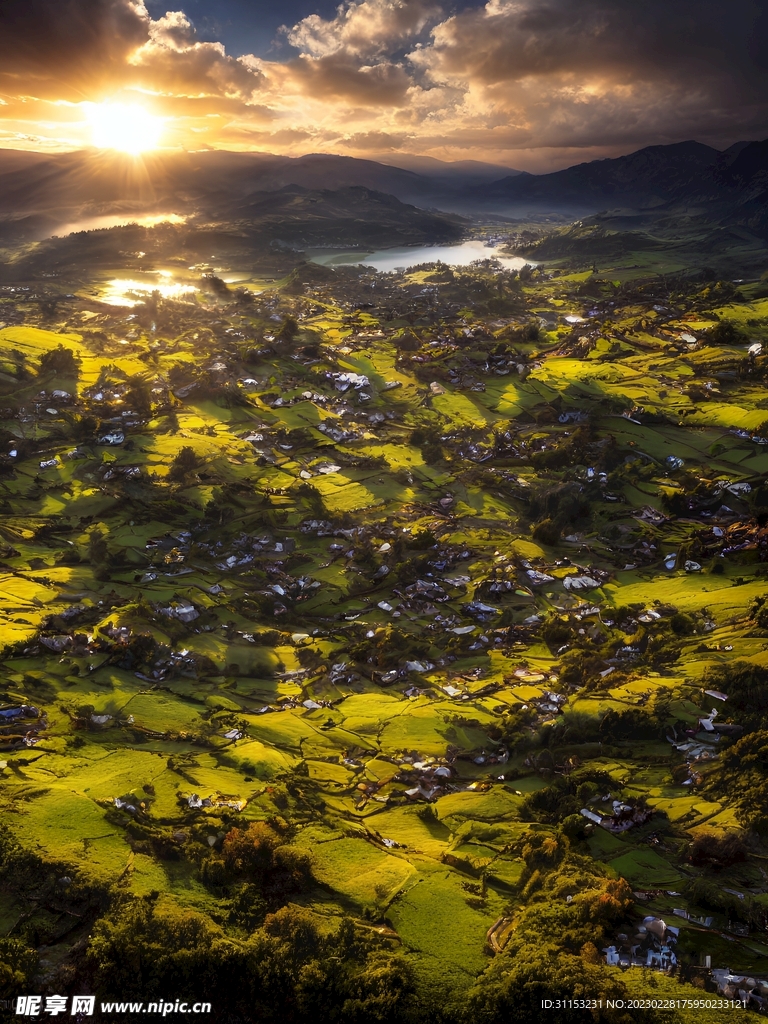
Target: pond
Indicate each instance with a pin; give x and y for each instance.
(130, 292)
(459, 255)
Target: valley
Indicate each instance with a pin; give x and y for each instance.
(410, 621)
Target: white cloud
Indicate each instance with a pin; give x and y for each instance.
(364, 28)
(173, 60)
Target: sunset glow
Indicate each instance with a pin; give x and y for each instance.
(128, 128)
(495, 81)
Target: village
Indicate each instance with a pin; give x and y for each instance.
(434, 566)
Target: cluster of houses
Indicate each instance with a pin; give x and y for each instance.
(20, 725)
(751, 991)
(699, 743)
(652, 947)
(621, 816)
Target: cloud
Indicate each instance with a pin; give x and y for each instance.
(379, 85)
(75, 48)
(174, 31)
(355, 57)
(67, 46)
(525, 75)
(363, 29)
(512, 39)
(516, 81)
(375, 142)
(174, 61)
(574, 70)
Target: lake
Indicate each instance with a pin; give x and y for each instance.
(459, 255)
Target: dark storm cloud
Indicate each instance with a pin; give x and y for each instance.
(67, 49)
(596, 72)
(67, 40)
(508, 39)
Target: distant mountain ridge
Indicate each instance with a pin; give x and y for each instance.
(304, 218)
(646, 178)
(266, 229)
(748, 168)
(41, 192)
(727, 188)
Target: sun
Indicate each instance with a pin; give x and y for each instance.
(126, 127)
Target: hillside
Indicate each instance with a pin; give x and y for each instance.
(40, 194)
(649, 177)
(260, 226)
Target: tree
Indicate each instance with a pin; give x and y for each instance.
(215, 285)
(18, 964)
(589, 953)
(289, 329)
(522, 976)
(184, 463)
(147, 952)
(726, 332)
(618, 726)
(574, 826)
(747, 687)
(379, 991)
(247, 907)
(251, 850)
(139, 396)
(743, 777)
(59, 362)
(98, 551)
(85, 428)
(710, 850)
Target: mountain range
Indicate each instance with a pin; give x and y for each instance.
(42, 194)
(685, 172)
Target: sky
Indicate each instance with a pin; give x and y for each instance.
(530, 84)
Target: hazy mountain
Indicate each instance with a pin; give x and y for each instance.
(264, 228)
(650, 177)
(462, 171)
(726, 188)
(44, 194)
(40, 193)
(747, 166)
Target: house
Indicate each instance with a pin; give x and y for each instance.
(591, 816)
(748, 990)
(652, 946)
(624, 816)
(663, 958)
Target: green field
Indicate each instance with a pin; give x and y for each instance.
(401, 585)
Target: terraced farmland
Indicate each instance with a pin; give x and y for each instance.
(324, 610)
